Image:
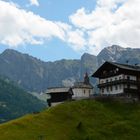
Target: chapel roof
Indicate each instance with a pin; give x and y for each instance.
(82, 85)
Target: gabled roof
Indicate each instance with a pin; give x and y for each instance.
(112, 65)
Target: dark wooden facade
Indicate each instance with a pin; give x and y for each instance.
(58, 95)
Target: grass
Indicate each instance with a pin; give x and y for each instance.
(79, 120)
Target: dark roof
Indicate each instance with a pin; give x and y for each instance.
(126, 66)
(58, 90)
(108, 65)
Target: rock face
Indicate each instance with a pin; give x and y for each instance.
(88, 63)
(112, 53)
(35, 75)
(25, 70)
(118, 54)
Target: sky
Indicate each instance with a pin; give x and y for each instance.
(65, 29)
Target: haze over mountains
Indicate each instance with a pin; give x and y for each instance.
(35, 75)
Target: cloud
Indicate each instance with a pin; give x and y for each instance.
(111, 22)
(76, 40)
(34, 2)
(18, 26)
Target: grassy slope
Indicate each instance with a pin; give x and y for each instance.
(100, 121)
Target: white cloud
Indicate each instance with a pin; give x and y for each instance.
(34, 2)
(109, 4)
(18, 26)
(76, 40)
(111, 22)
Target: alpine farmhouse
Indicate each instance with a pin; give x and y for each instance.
(118, 79)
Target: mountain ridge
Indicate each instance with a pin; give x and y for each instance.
(35, 75)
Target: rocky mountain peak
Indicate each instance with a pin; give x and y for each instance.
(87, 56)
(114, 49)
(10, 51)
(14, 55)
(111, 53)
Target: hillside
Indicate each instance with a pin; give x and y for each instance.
(15, 102)
(79, 120)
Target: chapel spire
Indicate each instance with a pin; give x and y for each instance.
(86, 79)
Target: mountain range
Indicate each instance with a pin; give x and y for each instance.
(35, 75)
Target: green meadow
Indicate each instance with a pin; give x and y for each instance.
(78, 120)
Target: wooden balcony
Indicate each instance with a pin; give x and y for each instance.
(120, 81)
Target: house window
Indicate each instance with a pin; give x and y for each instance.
(102, 90)
(84, 91)
(128, 77)
(116, 87)
(110, 88)
(107, 89)
(104, 72)
(128, 86)
(89, 91)
(120, 86)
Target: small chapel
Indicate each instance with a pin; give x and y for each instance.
(80, 90)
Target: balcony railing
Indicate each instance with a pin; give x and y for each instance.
(120, 81)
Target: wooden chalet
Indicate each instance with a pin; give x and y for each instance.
(58, 95)
(118, 79)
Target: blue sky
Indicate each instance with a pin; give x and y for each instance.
(65, 29)
(54, 10)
